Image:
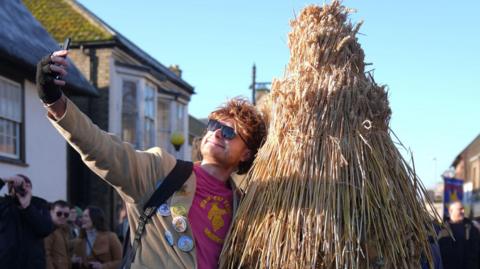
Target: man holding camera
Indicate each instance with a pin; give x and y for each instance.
(24, 222)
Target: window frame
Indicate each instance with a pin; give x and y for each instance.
(19, 160)
(167, 100)
(137, 136)
(149, 118)
(180, 119)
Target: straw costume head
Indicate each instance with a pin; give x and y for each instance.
(328, 189)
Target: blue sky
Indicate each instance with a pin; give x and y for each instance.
(427, 52)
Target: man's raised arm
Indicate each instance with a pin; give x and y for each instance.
(133, 173)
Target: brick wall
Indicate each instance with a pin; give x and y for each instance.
(103, 56)
(85, 188)
(82, 61)
(95, 66)
(472, 162)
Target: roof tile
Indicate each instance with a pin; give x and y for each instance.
(61, 20)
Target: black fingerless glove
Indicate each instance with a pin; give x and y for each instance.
(47, 90)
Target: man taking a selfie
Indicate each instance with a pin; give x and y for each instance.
(188, 229)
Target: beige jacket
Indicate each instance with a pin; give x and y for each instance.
(135, 175)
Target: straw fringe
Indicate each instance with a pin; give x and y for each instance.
(328, 189)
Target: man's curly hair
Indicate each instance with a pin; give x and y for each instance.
(249, 123)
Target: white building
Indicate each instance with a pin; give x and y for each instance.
(141, 101)
(28, 143)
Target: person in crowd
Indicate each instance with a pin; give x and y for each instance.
(24, 223)
(189, 230)
(461, 251)
(434, 249)
(57, 247)
(75, 221)
(122, 224)
(96, 247)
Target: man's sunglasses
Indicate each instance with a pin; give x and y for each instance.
(65, 214)
(227, 131)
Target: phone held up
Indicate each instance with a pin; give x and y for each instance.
(65, 46)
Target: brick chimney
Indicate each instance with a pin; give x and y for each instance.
(176, 69)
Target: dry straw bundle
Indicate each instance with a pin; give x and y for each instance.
(329, 189)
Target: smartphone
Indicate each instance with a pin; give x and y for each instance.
(65, 46)
(66, 43)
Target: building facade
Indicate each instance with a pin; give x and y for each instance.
(141, 101)
(466, 167)
(29, 144)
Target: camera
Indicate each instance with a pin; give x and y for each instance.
(20, 190)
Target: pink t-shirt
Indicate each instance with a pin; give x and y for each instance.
(210, 217)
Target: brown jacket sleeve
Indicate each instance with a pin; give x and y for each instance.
(56, 250)
(115, 252)
(49, 242)
(133, 173)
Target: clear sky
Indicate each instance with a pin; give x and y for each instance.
(427, 52)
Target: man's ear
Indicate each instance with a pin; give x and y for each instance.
(246, 155)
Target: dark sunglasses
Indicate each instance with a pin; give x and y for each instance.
(65, 214)
(227, 131)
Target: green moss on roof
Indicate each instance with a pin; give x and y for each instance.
(62, 20)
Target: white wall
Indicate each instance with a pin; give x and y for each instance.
(45, 152)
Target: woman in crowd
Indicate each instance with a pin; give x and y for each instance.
(96, 247)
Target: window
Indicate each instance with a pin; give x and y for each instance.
(129, 112)
(474, 174)
(149, 116)
(11, 115)
(180, 117)
(163, 122)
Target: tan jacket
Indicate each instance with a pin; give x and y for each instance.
(107, 250)
(135, 175)
(57, 249)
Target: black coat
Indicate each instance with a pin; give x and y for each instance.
(22, 232)
(461, 253)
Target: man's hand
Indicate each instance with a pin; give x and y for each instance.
(95, 265)
(76, 259)
(13, 180)
(27, 197)
(18, 182)
(48, 69)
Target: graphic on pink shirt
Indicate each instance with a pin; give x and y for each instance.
(219, 209)
(215, 216)
(210, 217)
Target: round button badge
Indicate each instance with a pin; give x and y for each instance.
(180, 224)
(169, 237)
(185, 243)
(178, 210)
(164, 210)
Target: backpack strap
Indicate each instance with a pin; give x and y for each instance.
(173, 182)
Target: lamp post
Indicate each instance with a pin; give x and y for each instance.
(254, 71)
(256, 84)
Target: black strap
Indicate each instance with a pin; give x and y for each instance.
(173, 182)
(91, 250)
